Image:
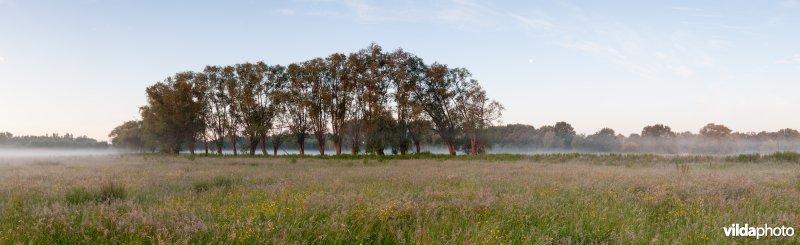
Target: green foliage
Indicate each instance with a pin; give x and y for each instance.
(130, 135)
(437, 95)
(715, 131)
(657, 131)
(513, 136)
(749, 158)
(787, 156)
(173, 115)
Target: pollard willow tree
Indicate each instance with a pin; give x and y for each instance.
(216, 105)
(245, 89)
(477, 111)
(278, 110)
(200, 82)
(405, 71)
(438, 94)
(297, 104)
(319, 97)
(354, 121)
(378, 122)
(173, 114)
(234, 118)
(256, 93)
(339, 87)
(269, 100)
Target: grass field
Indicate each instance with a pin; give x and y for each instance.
(547, 199)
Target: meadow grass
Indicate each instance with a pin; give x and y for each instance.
(566, 198)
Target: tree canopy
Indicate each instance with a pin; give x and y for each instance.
(374, 99)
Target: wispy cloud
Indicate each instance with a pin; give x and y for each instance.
(360, 7)
(532, 23)
(616, 55)
(685, 9)
(284, 11)
(695, 12)
(794, 59)
(649, 54)
(370, 12)
(470, 14)
(466, 14)
(790, 3)
(461, 14)
(642, 51)
(711, 24)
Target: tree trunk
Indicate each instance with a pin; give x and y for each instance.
(451, 148)
(253, 144)
(275, 150)
(354, 148)
(379, 152)
(473, 145)
(220, 144)
(263, 144)
(301, 142)
(191, 147)
(338, 145)
(233, 143)
(321, 144)
(205, 145)
(417, 145)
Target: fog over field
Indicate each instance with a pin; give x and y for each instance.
(34, 152)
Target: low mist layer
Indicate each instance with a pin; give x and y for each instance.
(37, 152)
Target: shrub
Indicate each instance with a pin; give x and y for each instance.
(746, 158)
(201, 186)
(786, 156)
(79, 195)
(107, 193)
(111, 192)
(219, 181)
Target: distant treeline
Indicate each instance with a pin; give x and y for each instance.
(50, 141)
(658, 138)
(369, 100)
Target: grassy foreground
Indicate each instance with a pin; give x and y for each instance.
(160, 199)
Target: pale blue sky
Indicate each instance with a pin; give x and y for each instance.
(82, 66)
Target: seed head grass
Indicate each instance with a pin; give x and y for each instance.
(607, 199)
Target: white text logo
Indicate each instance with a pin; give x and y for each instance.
(758, 231)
